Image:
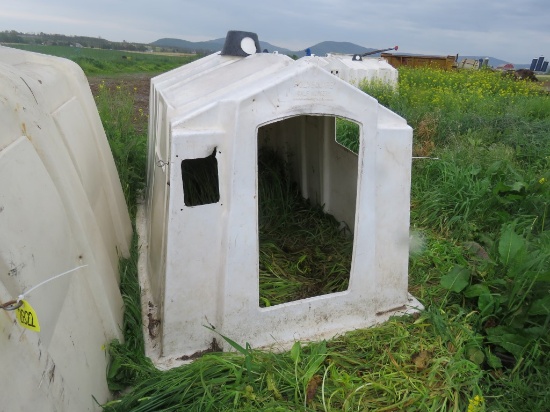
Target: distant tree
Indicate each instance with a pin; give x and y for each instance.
(11, 37)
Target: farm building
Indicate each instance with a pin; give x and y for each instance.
(437, 62)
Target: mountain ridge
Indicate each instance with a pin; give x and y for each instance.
(215, 45)
(321, 49)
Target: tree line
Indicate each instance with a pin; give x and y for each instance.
(12, 36)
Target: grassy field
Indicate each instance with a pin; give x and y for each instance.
(107, 62)
(480, 196)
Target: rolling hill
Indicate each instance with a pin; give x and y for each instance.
(212, 46)
(319, 49)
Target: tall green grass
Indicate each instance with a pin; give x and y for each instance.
(303, 251)
(490, 134)
(404, 364)
(129, 147)
(487, 193)
(481, 344)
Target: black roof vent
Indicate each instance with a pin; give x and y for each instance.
(240, 43)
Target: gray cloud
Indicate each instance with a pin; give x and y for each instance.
(511, 30)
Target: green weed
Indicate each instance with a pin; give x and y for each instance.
(508, 287)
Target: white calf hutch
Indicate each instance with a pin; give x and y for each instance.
(357, 69)
(199, 261)
(61, 208)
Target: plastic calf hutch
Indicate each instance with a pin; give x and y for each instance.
(356, 69)
(199, 262)
(61, 207)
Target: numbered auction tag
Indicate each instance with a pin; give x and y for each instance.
(26, 316)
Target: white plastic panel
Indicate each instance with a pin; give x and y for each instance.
(35, 248)
(61, 207)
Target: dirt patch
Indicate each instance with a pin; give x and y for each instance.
(214, 347)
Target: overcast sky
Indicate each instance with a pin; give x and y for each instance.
(513, 30)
